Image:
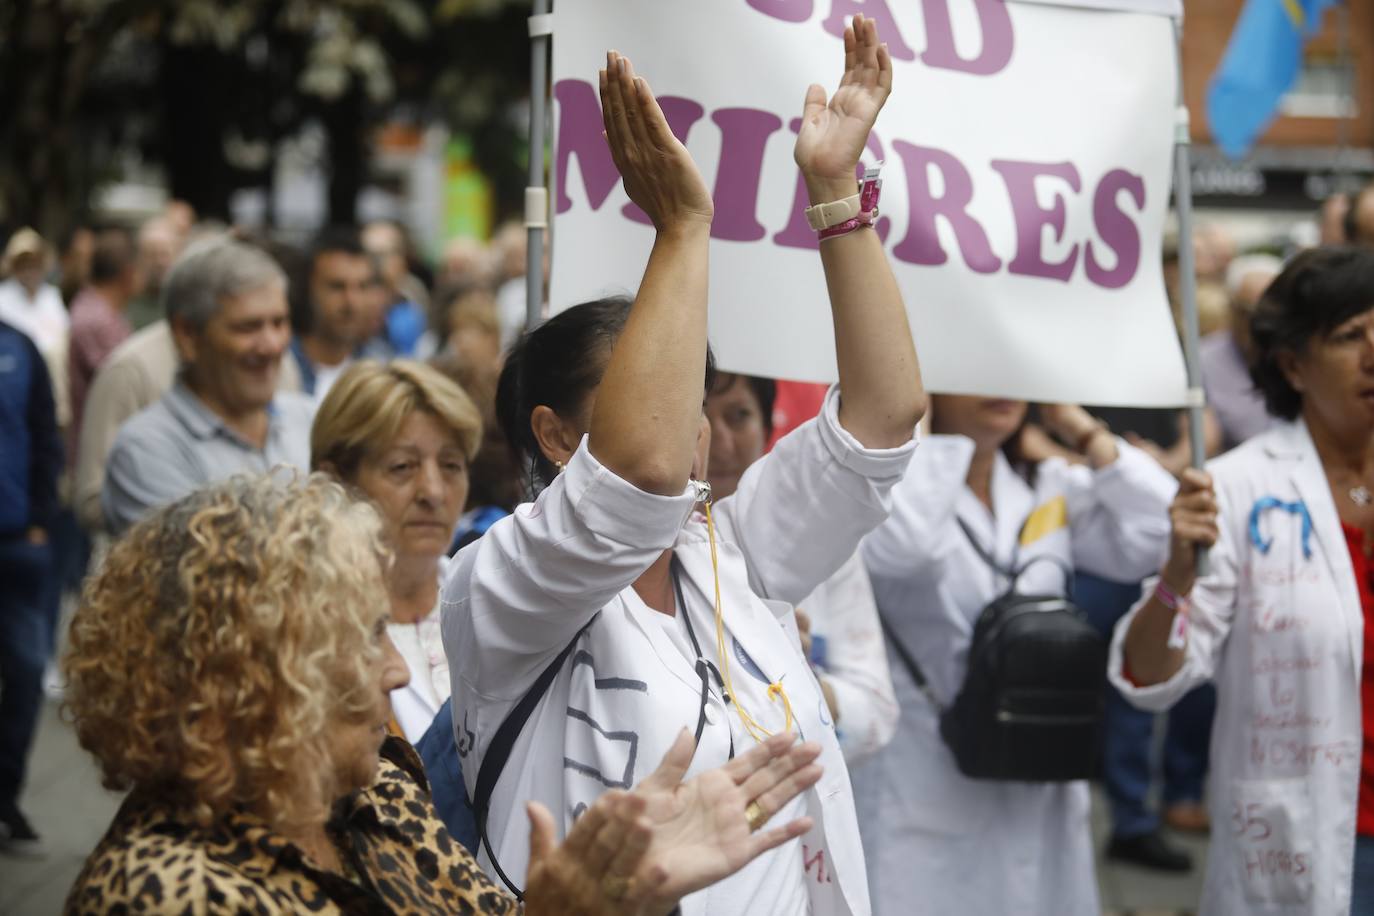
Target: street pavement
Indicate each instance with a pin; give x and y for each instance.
(67, 805)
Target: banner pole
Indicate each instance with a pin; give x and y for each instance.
(1187, 275)
(536, 190)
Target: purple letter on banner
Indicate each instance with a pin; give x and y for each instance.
(995, 23)
(922, 243)
(579, 133)
(1032, 218)
(681, 114)
(842, 12)
(744, 133)
(786, 10)
(1117, 229)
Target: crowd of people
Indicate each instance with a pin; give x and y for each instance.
(389, 603)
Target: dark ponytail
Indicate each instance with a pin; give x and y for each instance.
(558, 364)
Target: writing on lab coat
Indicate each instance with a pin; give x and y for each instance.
(1277, 624)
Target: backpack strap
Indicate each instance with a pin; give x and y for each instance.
(1009, 572)
(498, 752)
(1013, 573)
(909, 662)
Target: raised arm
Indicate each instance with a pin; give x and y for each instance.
(880, 380)
(648, 409)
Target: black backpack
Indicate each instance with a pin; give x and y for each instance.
(1030, 708)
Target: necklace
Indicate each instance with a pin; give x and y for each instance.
(1360, 496)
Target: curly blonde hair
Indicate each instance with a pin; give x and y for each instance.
(222, 640)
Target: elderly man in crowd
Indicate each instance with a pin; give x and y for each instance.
(1225, 354)
(336, 313)
(139, 372)
(226, 307)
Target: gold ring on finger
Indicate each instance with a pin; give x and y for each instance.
(615, 887)
(753, 813)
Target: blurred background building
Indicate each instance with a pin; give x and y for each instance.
(1321, 143)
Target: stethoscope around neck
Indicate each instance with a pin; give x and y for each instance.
(705, 668)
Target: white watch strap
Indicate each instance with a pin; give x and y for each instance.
(823, 216)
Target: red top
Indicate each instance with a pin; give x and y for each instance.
(796, 403)
(1364, 578)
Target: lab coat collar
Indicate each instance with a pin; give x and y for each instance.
(1292, 442)
(1012, 501)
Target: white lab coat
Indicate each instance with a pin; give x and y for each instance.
(1282, 634)
(516, 597)
(937, 842)
(844, 613)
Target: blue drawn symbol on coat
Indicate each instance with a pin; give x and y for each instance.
(466, 739)
(1263, 505)
(748, 663)
(628, 738)
(825, 712)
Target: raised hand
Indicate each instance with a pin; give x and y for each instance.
(701, 828)
(1193, 517)
(658, 172)
(834, 133)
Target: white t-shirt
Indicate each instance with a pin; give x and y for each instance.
(326, 376)
(416, 704)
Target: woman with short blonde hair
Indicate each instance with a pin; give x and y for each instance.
(403, 434)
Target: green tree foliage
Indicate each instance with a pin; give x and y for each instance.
(211, 89)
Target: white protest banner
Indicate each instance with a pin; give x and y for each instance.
(1027, 149)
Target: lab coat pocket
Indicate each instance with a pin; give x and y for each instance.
(1270, 828)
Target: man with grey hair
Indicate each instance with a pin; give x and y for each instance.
(227, 312)
(1231, 394)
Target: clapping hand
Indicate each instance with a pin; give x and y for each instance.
(706, 829)
(640, 852)
(834, 133)
(658, 172)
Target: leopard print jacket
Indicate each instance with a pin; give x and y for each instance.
(152, 860)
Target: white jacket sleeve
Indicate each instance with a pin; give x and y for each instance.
(844, 611)
(1213, 608)
(516, 596)
(1119, 514)
(800, 511)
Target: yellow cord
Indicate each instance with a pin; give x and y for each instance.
(775, 690)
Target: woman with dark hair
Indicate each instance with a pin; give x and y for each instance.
(603, 619)
(972, 511)
(1281, 619)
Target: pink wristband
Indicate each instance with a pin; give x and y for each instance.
(848, 226)
(868, 207)
(1169, 598)
(1178, 633)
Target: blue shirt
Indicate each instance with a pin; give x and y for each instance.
(178, 445)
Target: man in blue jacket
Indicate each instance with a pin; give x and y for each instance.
(30, 461)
